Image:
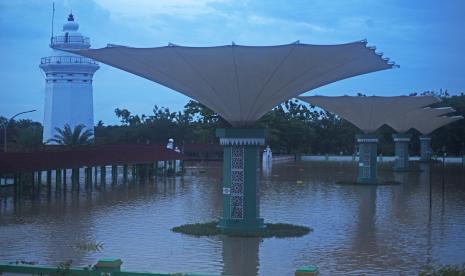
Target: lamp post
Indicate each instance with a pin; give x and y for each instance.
(5, 128)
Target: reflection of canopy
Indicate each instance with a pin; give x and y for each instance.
(241, 83)
(426, 127)
(403, 122)
(370, 113)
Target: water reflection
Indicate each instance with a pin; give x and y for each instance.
(364, 240)
(267, 170)
(240, 256)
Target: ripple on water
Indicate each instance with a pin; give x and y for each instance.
(374, 230)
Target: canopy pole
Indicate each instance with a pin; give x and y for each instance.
(241, 196)
(367, 163)
(401, 142)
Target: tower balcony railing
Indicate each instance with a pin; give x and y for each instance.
(67, 60)
(69, 39)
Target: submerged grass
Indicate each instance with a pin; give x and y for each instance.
(198, 229)
(445, 270)
(278, 230)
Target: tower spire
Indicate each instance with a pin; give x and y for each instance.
(53, 18)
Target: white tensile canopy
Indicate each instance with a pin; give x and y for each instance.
(242, 83)
(404, 122)
(370, 113)
(426, 127)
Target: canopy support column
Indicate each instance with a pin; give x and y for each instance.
(367, 163)
(401, 142)
(425, 148)
(241, 198)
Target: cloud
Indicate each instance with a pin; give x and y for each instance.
(205, 22)
(186, 9)
(269, 21)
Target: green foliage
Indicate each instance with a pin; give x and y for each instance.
(452, 136)
(278, 230)
(72, 138)
(17, 262)
(63, 268)
(198, 229)
(90, 246)
(284, 230)
(292, 127)
(28, 139)
(445, 270)
(196, 123)
(23, 135)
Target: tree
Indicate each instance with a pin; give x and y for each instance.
(72, 138)
(28, 139)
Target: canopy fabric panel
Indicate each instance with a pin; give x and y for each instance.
(370, 113)
(242, 83)
(426, 127)
(403, 122)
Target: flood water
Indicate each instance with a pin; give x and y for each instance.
(376, 230)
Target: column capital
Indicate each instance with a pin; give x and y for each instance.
(242, 141)
(401, 137)
(367, 138)
(425, 138)
(241, 136)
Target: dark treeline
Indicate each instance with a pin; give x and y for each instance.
(292, 127)
(23, 135)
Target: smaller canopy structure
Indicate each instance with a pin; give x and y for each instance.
(426, 127)
(370, 113)
(403, 122)
(242, 83)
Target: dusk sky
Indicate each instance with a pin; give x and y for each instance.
(426, 38)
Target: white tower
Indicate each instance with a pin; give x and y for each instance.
(68, 82)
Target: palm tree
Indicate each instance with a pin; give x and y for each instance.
(72, 138)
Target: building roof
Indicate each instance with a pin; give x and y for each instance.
(425, 127)
(370, 113)
(242, 83)
(403, 122)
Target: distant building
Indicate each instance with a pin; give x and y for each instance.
(68, 82)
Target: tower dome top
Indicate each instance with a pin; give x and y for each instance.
(71, 38)
(71, 25)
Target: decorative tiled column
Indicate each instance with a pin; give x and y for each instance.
(367, 167)
(241, 198)
(401, 142)
(425, 148)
